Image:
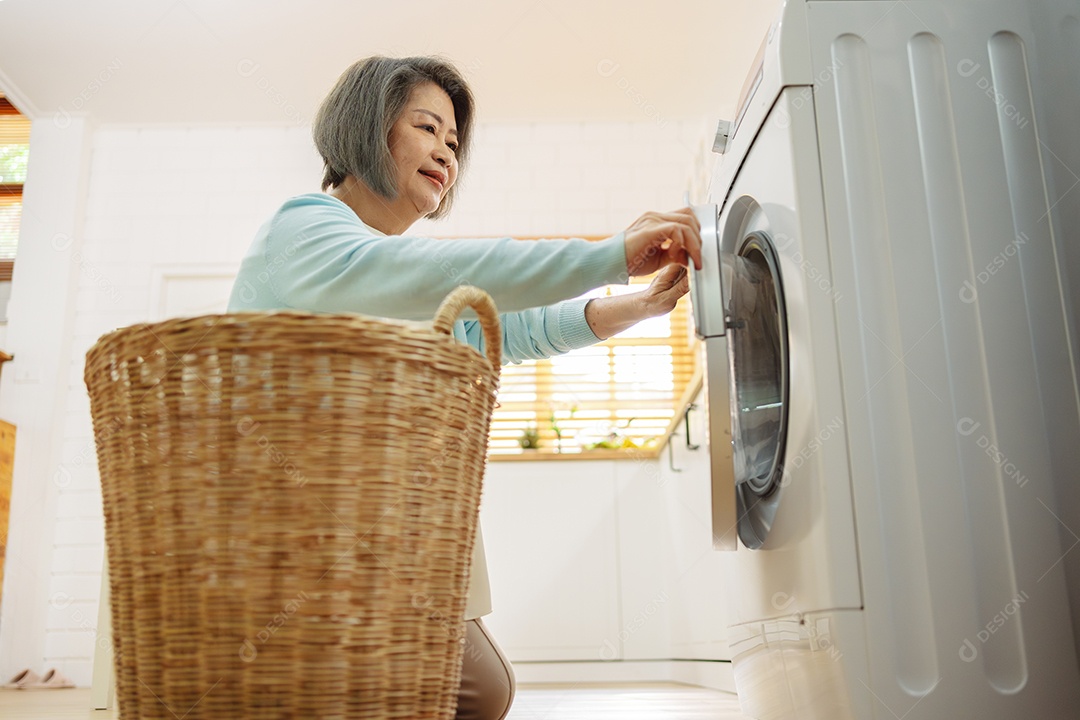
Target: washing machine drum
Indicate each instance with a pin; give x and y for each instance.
(758, 347)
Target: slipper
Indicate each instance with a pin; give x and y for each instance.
(23, 680)
(53, 680)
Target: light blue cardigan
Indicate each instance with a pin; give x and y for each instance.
(315, 254)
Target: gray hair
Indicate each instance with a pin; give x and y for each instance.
(352, 128)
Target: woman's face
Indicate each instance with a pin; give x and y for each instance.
(423, 141)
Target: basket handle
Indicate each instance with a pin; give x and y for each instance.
(470, 296)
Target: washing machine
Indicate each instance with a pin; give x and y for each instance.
(889, 369)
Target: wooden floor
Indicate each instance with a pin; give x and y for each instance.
(640, 701)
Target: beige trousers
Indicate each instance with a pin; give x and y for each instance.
(487, 680)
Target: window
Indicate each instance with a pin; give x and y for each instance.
(621, 395)
(14, 151)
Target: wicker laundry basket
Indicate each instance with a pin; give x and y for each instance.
(291, 504)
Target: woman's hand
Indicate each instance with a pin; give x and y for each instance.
(664, 291)
(611, 315)
(656, 240)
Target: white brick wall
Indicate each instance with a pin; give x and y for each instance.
(192, 196)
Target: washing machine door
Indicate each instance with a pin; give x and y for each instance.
(758, 362)
(739, 312)
(709, 300)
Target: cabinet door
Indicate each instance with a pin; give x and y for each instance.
(697, 573)
(550, 538)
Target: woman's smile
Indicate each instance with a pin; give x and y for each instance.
(436, 177)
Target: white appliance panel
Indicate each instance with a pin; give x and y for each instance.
(1053, 58)
(914, 565)
(929, 180)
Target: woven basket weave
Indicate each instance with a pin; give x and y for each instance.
(291, 503)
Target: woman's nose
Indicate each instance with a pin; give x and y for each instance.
(443, 154)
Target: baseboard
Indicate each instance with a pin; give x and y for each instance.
(716, 675)
(706, 673)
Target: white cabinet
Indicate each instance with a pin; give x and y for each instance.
(606, 560)
(577, 553)
(697, 574)
(550, 532)
(645, 548)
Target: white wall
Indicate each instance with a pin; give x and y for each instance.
(185, 201)
(33, 391)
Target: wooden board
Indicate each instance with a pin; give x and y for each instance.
(7, 464)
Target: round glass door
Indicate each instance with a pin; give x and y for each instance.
(759, 385)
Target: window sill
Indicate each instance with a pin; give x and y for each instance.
(648, 453)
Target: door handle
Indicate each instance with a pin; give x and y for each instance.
(686, 426)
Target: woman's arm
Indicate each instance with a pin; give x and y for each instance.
(555, 329)
(316, 255)
(611, 315)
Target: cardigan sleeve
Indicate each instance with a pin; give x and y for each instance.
(316, 255)
(539, 332)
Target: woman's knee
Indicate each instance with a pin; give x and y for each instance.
(487, 678)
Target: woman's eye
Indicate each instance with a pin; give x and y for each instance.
(453, 147)
(429, 128)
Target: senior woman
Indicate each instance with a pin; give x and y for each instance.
(394, 136)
